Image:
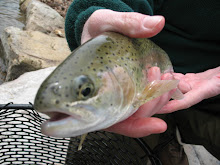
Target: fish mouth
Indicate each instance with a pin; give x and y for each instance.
(57, 116)
(63, 123)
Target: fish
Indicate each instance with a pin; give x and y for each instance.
(101, 83)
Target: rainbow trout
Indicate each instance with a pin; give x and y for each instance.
(102, 82)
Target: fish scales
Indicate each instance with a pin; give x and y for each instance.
(102, 82)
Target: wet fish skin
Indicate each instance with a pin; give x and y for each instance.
(102, 82)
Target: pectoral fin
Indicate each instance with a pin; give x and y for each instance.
(177, 95)
(157, 88)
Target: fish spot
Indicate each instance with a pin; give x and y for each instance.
(67, 95)
(64, 78)
(101, 62)
(88, 67)
(94, 69)
(67, 105)
(57, 102)
(91, 63)
(109, 61)
(101, 57)
(101, 70)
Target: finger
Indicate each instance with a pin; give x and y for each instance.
(184, 87)
(132, 24)
(191, 98)
(153, 74)
(139, 127)
(150, 108)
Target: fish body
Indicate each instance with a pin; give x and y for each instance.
(102, 82)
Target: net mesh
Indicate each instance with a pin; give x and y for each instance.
(21, 142)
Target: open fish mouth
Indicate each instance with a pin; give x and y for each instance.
(58, 116)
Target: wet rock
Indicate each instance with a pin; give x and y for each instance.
(41, 17)
(23, 89)
(25, 51)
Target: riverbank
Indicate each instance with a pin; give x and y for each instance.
(40, 44)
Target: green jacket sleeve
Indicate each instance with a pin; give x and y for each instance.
(80, 10)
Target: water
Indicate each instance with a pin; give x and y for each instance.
(10, 15)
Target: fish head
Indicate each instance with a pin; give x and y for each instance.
(78, 100)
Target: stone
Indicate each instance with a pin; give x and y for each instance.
(23, 90)
(25, 51)
(24, 4)
(41, 17)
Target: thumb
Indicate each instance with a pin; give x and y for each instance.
(132, 24)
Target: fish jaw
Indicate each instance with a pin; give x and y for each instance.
(68, 124)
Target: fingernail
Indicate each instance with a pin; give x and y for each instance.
(150, 22)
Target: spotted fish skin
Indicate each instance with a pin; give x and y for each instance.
(101, 83)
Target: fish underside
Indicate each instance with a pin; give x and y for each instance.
(102, 82)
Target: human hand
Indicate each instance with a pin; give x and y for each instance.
(141, 123)
(131, 24)
(196, 87)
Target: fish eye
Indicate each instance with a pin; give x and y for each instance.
(85, 91)
(84, 87)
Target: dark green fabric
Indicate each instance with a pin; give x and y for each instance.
(191, 38)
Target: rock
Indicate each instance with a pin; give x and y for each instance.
(23, 89)
(41, 17)
(25, 51)
(24, 4)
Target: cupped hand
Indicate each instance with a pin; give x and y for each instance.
(196, 87)
(141, 123)
(131, 24)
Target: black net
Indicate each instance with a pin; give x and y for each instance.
(21, 142)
